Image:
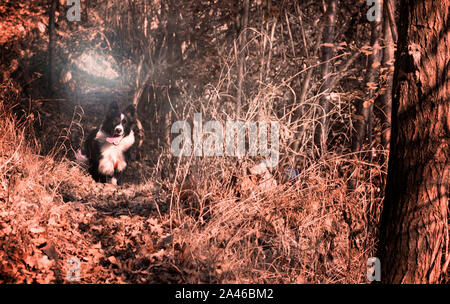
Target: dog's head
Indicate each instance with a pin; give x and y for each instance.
(118, 124)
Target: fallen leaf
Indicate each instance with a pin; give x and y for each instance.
(50, 251)
(112, 259)
(37, 230)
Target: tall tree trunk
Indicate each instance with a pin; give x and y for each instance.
(173, 40)
(175, 59)
(414, 220)
(388, 64)
(241, 63)
(327, 53)
(389, 7)
(372, 82)
(365, 109)
(51, 46)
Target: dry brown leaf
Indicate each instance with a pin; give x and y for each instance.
(112, 259)
(37, 230)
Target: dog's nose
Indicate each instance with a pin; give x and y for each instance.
(118, 130)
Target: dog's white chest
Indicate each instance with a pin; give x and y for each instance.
(113, 158)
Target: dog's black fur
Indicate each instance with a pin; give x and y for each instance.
(107, 149)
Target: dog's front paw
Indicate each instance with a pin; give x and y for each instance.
(106, 167)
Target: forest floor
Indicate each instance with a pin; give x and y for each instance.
(115, 234)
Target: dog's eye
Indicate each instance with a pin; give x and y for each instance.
(124, 121)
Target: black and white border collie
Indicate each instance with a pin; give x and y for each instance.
(106, 149)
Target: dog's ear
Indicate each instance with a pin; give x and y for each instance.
(131, 110)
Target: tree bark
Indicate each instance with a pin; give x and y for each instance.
(365, 109)
(389, 8)
(51, 46)
(414, 220)
(327, 53)
(388, 64)
(241, 63)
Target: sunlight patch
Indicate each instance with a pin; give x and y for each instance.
(97, 65)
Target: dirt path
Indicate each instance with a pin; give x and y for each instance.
(122, 233)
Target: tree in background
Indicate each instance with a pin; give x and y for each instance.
(364, 123)
(389, 37)
(327, 53)
(414, 221)
(51, 46)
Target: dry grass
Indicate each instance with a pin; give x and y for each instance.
(313, 230)
(31, 207)
(231, 230)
